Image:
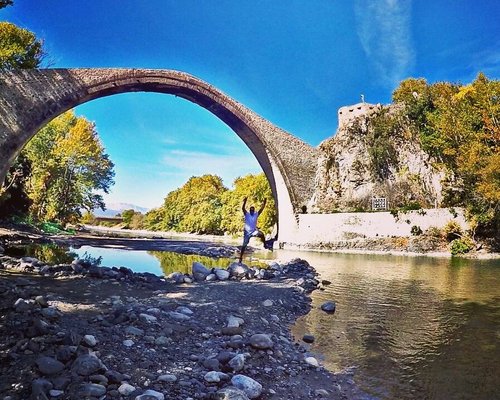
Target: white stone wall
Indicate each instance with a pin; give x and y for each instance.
(315, 228)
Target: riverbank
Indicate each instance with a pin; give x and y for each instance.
(412, 246)
(77, 331)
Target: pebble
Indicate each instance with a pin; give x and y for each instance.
(222, 274)
(184, 310)
(87, 364)
(267, 303)
(148, 318)
(261, 341)
(125, 389)
(91, 390)
(149, 394)
(90, 340)
(312, 361)
(308, 338)
(231, 393)
(132, 330)
(329, 307)
(252, 388)
(167, 378)
(49, 365)
(321, 393)
(178, 316)
(237, 362)
(128, 343)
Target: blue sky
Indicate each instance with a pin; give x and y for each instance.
(293, 62)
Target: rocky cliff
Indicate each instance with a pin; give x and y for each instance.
(373, 154)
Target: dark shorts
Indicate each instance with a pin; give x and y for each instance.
(248, 235)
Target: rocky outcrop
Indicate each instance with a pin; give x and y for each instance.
(356, 164)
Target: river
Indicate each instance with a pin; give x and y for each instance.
(407, 327)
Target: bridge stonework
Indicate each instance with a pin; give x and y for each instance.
(31, 98)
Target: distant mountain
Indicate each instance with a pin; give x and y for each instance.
(113, 209)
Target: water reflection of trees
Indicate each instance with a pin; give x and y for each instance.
(175, 262)
(48, 253)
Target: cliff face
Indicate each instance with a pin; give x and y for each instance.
(357, 163)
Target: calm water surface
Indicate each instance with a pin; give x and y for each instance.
(410, 327)
(413, 327)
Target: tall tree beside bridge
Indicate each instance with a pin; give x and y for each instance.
(69, 165)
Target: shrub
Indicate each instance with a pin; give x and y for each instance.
(452, 230)
(434, 231)
(461, 246)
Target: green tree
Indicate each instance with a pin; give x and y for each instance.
(127, 215)
(19, 48)
(195, 207)
(68, 165)
(460, 126)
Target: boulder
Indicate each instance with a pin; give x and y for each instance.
(252, 388)
(237, 270)
(199, 271)
(221, 274)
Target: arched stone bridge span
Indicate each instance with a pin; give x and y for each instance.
(31, 98)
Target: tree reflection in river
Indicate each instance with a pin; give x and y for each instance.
(175, 262)
(49, 253)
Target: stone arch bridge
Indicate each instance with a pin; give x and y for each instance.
(31, 98)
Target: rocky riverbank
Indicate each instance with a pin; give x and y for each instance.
(80, 331)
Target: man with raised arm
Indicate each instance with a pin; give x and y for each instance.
(250, 229)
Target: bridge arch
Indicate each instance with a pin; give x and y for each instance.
(31, 98)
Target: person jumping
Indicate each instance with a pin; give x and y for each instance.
(250, 229)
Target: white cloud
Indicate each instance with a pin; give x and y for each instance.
(383, 27)
(227, 166)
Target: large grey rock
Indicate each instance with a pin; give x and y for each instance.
(221, 274)
(237, 270)
(87, 364)
(49, 365)
(252, 388)
(261, 341)
(199, 271)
